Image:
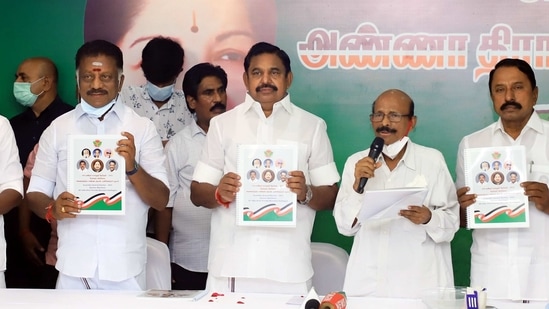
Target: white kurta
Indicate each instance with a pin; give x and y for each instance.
(190, 237)
(395, 257)
(278, 254)
(12, 175)
(513, 263)
(114, 247)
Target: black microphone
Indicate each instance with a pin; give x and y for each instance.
(375, 151)
(312, 304)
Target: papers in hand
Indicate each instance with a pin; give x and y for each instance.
(494, 174)
(381, 204)
(190, 295)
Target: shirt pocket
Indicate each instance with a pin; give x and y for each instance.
(538, 172)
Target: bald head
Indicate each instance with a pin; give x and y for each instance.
(46, 67)
(42, 73)
(396, 95)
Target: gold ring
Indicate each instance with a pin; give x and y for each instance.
(62, 208)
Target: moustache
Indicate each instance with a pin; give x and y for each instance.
(386, 129)
(510, 104)
(96, 91)
(273, 87)
(218, 106)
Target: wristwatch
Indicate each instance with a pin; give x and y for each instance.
(308, 196)
(129, 173)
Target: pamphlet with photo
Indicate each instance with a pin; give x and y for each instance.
(495, 174)
(96, 174)
(264, 199)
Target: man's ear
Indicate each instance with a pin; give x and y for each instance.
(290, 79)
(121, 82)
(246, 81)
(191, 101)
(48, 82)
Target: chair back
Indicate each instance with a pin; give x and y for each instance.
(329, 265)
(158, 265)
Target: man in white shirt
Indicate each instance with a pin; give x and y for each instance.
(259, 259)
(100, 252)
(409, 252)
(205, 88)
(11, 184)
(158, 100)
(512, 263)
(161, 61)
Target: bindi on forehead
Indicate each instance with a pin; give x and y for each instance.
(97, 66)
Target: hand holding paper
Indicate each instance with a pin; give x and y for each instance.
(381, 204)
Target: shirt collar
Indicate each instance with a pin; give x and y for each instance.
(409, 157)
(29, 113)
(196, 130)
(285, 103)
(534, 123)
(118, 109)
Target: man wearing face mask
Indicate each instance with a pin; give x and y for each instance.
(161, 61)
(405, 254)
(97, 260)
(35, 88)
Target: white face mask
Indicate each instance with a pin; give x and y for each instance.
(23, 94)
(393, 150)
(94, 111)
(159, 94)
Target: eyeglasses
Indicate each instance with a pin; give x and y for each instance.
(393, 117)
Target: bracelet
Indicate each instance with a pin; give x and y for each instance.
(220, 200)
(135, 169)
(49, 212)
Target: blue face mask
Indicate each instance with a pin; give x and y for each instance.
(159, 94)
(23, 94)
(94, 111)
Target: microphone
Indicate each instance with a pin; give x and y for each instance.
(375, 151)
(312, 304)
(334, 300)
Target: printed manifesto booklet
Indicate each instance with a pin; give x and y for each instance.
(264, 199)
(96, 174)
(495, 174)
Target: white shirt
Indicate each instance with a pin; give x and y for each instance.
(395, 257)
(169, 119)
(279, 254)
(190, 237)
(513, 263)
(12, 175)
(114, 246)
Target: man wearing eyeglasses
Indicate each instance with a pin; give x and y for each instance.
(405, 253)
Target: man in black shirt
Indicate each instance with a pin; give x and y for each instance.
(27, 235)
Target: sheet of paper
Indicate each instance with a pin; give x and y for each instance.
(264, 199)
(96, 174)
(188, 295)
(494, 174)
(381, 204)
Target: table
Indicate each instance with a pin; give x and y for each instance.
(43, 299)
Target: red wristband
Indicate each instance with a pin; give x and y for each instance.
(49, 212)
(219, 199)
